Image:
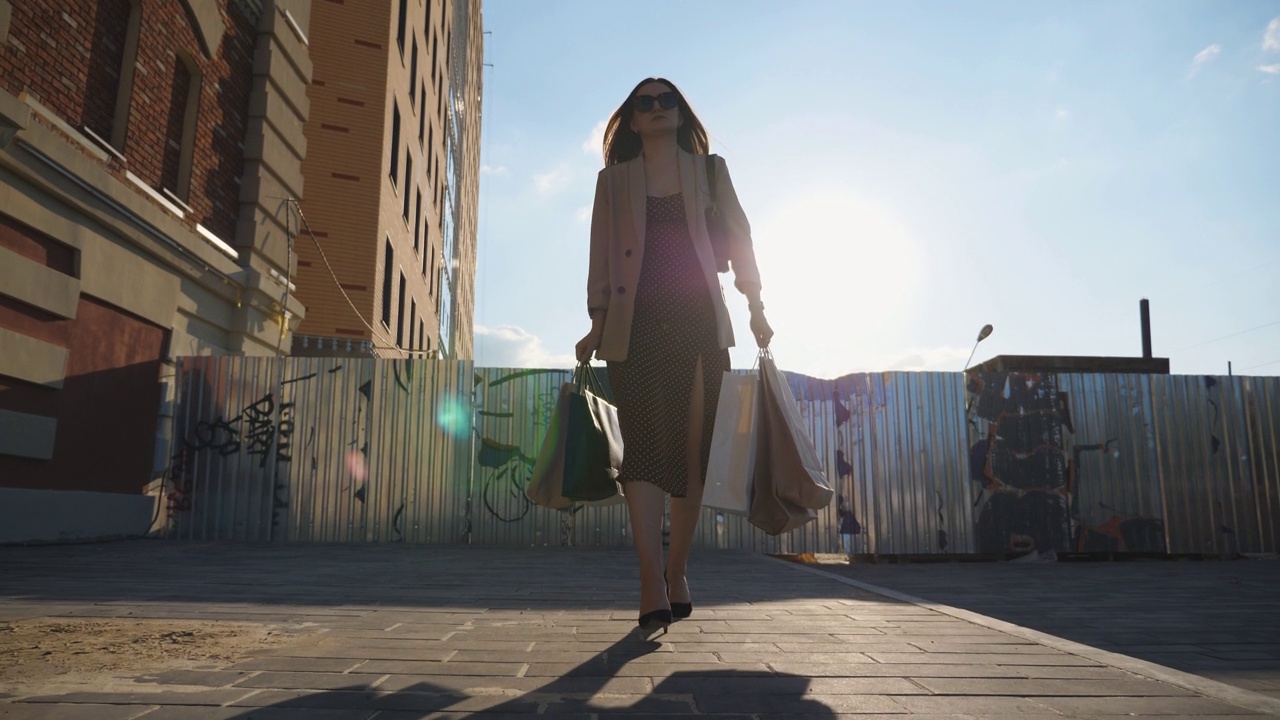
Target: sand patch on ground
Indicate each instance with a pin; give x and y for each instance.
(38, 651)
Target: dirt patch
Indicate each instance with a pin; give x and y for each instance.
(35, 651)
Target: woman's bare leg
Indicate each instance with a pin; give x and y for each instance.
(685, 511)
(645, 502)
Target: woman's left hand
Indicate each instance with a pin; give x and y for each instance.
(760, 328)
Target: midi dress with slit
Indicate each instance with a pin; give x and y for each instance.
(673, 325)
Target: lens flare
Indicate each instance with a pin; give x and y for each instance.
(454, 417)
(356, 466)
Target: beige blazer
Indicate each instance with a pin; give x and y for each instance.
(617, 245)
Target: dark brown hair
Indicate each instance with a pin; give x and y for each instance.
(621, 143)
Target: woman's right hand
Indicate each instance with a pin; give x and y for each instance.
(589, 343)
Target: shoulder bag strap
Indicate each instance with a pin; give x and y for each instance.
(711, 183)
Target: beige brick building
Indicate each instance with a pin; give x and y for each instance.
(392, 179)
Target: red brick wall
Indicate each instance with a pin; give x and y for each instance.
(68, 53)
(32, 245)
(107, 406)
(106, 409)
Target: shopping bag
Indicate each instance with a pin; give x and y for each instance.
(546, 482)
(581, 453)
(798, 473)
(593, 444)
(770, 511)
(730, 468)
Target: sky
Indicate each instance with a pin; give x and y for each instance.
(912, 171)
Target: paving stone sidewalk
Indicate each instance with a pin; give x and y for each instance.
(1216, 619)
(408, 633)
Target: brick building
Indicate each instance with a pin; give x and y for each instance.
(146, 151)
(393, 175)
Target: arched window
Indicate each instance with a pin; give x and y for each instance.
(180, 128)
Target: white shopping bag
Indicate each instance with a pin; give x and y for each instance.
(733, 445)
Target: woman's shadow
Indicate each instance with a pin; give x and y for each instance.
(725, 692)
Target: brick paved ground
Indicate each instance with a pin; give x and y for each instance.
(1217, 619)
(408, 632)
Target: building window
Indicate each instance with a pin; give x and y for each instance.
(440, 97)
(422, 335)
(413, 321)
(408, 173)
(431, 151)
(435, 44)
(388, 267)
(180, 132)
(403, 23)
(395, 141)
(111, 56)
(422, 116)
(413, 73)
(417, 222)
(400, 314)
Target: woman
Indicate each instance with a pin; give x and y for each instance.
(658, 318)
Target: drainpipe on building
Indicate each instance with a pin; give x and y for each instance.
(273, 452)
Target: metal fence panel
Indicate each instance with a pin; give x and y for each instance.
(366, 450)
(320, 450)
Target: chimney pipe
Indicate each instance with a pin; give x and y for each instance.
(1145, 307)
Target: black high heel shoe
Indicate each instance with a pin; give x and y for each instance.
(679, 610)
(653, 621)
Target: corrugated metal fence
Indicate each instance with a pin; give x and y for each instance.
(365, 450)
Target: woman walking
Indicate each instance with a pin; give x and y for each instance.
(658, 318)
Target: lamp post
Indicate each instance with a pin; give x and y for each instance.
(982, 335)
(968, 404)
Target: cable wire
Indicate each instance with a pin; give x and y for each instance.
(1270, 362)
(325, 258)
(1225, 337)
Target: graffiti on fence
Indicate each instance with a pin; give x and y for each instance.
(507, 467)
(1028, 467)
(360, 441)
(262, 429)
(1021, 464)
(266, 429)
(219, 435)
(179, 483)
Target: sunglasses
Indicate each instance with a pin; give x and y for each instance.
(666, 101)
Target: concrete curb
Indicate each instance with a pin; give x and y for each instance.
(1195, 683)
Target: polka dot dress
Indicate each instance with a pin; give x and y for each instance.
(674, 324)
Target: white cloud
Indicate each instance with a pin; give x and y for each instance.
(552, 181)
(584, 214)
(491, 170)
(939, 359)
(1203, 57)
(1061, 113)
(838, 363)
(508, 346)
(1271, 38)
(1270, 69)
(595, 143)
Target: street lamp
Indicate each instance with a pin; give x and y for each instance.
(982, 335)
